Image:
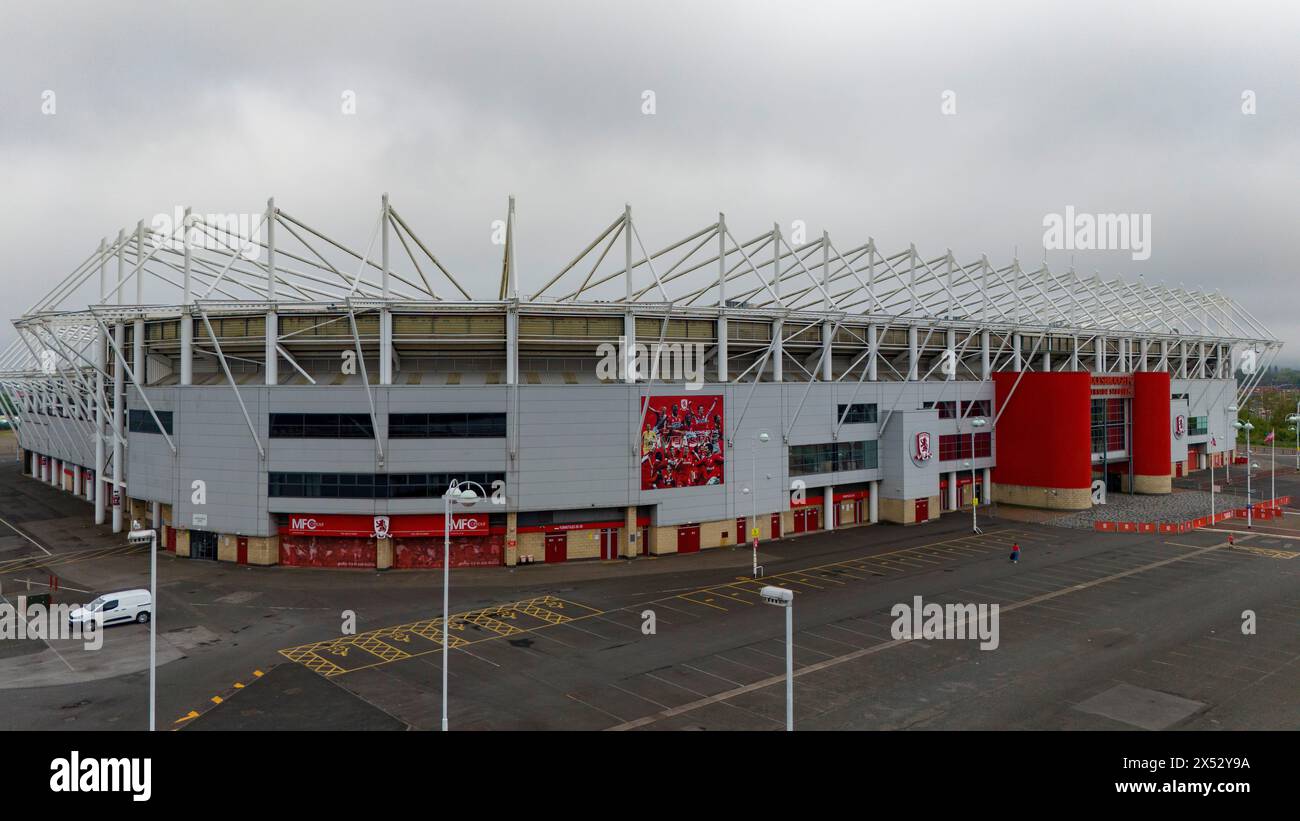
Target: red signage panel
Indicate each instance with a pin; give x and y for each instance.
(353, 524)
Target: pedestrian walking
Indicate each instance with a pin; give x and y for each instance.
(1015, 552)
(1230, 541)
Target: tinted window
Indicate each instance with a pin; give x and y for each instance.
(322, 426)
(141, 421)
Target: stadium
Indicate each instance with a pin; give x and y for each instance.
(266, 394)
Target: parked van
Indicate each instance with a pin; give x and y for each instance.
(117, 608)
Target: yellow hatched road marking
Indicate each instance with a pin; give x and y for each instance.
(376, 643)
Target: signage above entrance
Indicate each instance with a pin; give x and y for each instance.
(346, 524)
(1112, 386)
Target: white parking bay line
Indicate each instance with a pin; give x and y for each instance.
(39, 546)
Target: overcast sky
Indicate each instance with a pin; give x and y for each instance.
(830, 113)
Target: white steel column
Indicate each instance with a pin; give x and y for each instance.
(272, 355)
(512, 309)
(1144, 348)
(1074, 353)
(119, 385)
(155, 516)
(187, 296)
(76, 480)
(952, 348)
(1164, 354)
(913, 354)
(986, 366)
(1099, 353)
(56, 472)
(98, 356)
(138, 366)
(828, 327)
(873, 342)
(952, 490)
(873, 502)
(1200, 363)
(988, 487)
(1016, 362)
(778, 340)
(828, 502)
(385, 314)
(722, 299)
(629, 319)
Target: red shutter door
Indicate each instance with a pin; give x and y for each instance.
(466, 551)
(776, 525)
(557, 547)
(241, 550)
(688, 539)
(327, 551)
(742, 530)
(922, 510)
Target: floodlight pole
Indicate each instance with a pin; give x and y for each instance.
(789, 668)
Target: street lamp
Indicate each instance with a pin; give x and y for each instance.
(463, 494)
(1294, 419)
(781, 597)
(1247, 427)
(1227, 467)
(752, 490)
(977, 422)
(150, 536)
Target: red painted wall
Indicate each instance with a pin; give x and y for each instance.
(1043, 433)
(1151, 431)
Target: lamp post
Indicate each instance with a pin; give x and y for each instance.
(464, 494)
(139, 536)
(1247, 427)
(781, 597)
(977, 422)
(752, 491)
(1227, 465)
(1294, 419)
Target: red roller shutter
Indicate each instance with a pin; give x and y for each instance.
(327, 551)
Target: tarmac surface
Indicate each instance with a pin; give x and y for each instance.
(1094, 631)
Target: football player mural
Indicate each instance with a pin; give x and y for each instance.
(681, 442)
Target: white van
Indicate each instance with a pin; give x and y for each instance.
(117, 608)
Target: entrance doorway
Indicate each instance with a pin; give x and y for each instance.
(922, 510)
(557, 547)
(203, 545)
(609, 543)
(688, 539)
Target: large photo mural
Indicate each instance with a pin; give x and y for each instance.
(681, 442)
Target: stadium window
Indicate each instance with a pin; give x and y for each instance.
(446, 426)
(831, 457)
(371, 485)
(141, 421)
(979, 407)
(947, 410)
(859, 413)
(958, 446)
(1198, 426)
(321, 426)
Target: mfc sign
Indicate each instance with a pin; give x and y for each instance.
(1180, 426)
